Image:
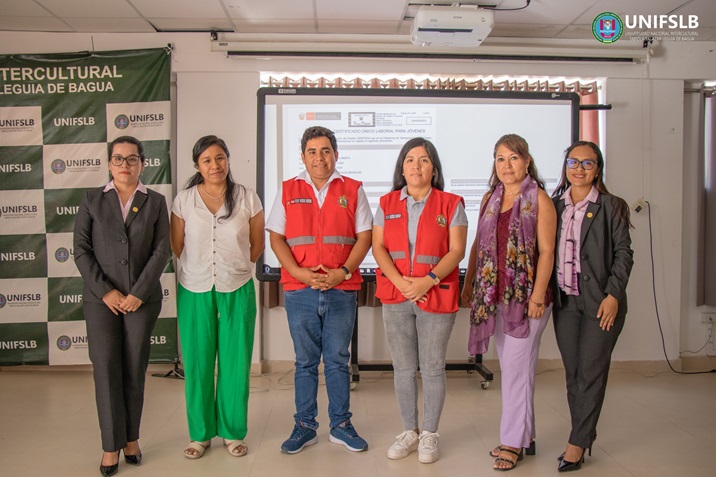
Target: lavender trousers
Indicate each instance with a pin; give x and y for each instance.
(518, 364)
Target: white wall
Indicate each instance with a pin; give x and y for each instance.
(644, 153)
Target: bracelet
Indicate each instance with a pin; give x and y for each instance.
(539, 305)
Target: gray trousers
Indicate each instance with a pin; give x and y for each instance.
(587, 353)
(119, 350)
(418, 339)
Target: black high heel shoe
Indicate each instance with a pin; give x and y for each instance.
(108, 470)
(567, 466)
(561, 456)
(133, 459)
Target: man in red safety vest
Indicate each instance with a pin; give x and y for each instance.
(320, 230)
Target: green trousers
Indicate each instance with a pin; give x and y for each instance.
(213, 327)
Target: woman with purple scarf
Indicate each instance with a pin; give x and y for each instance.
(507, 287)
(593, 263)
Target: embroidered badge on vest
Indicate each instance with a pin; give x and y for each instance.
(393, 216)
(343, 201)
(300, 201)
(442, 221)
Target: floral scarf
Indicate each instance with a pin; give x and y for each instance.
(519, 267)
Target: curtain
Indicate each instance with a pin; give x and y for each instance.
(585, 89)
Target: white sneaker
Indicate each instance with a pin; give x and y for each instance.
(428, 451)
(404, 444)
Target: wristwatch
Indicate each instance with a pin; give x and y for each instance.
(435, 278)
(347, 272)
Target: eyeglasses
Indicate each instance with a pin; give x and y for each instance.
(587, 164)
(117, 160)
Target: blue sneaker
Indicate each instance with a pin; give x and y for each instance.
(346, 435)
(300, 438)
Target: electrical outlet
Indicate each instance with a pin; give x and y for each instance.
(708, 317)
(639, 205)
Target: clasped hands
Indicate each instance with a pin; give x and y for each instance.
(415, 288)
(118, 303)
(320, 277)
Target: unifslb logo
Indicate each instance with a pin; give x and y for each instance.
(3, 301)
(62, 254)
(121, 121)
(58, 166)
(64, 343)
(607, 27)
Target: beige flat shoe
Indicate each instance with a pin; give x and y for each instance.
(237, 448)
(198, 447)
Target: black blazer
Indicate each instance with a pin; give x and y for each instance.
(605, 254)
(111, 253)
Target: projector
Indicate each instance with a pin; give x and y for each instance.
(451, 26)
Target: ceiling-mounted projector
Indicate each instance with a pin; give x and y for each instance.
(451, 26)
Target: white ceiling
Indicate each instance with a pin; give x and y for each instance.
(560, 19)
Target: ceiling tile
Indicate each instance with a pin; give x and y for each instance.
(359, 11)
(273, 9)
(544, 12)
(110, 25)
(33, 24)
(89, 8)
(705, 9)
(194, 9)
(620, 7)
(15, 8)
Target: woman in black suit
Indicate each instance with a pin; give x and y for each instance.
(121, 243)
(592, 267)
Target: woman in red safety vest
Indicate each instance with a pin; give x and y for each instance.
(419, 235)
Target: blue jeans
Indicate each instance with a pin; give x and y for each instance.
(321, 323)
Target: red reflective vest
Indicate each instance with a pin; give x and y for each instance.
(431, 245)
(321, 235)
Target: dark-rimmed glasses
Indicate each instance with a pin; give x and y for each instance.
(117, 160)
(587, 164)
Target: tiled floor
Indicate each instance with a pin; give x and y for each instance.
(660, 426)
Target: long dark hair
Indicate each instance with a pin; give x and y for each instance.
(620, 206)
(519, 146)
(230, 197)
(127, 140)
(399, 179)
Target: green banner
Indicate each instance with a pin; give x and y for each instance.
(23, 343)
(64, 299)
(58, 113)
(20, 168)
(61, 207)
(23, 256)
(164, 341)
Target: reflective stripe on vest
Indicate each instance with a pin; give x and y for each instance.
(310, 240)
(304, 240)
(429, 259)
(338, 239)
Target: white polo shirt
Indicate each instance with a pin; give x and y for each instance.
(216, 251)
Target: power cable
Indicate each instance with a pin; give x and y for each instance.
(656, 304)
